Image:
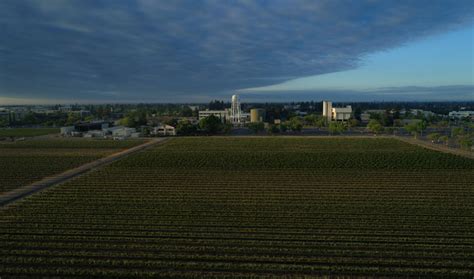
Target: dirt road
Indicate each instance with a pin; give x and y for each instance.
(437, 147)
(62, 177)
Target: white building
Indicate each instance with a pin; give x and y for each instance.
(223, 115)
(123, 132)
(327, 110)
(164, 130)
(66, 131)
(461, 114)
(233, 115)
(341, 114)
(95, 134)
(425, 113)
(336, 114)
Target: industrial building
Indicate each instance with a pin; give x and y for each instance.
(94, 130)
(89, 126)
(223, 115)
(257, 115)
(234, 115)
(336, 114)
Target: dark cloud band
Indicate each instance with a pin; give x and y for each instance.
(161, 49)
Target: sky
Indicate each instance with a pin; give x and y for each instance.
(119, 51)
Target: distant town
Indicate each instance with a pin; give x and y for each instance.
(441, 123)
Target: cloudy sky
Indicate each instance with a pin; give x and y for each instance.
(92, 51)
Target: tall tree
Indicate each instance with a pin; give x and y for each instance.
(211, 124)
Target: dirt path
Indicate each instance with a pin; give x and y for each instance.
(437, 147)
(22, 192)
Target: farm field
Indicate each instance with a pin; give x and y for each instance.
(24, 162)
(252, 207)
(27, 132)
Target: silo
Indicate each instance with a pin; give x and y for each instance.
(327, 110)
(257, 115)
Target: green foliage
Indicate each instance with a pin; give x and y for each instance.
(227, 128)
(211, 125)
(186, 112)
(315, 120)
(273, 129)
(27, 132)
(416, 128)
(134, 119)
(336, 127)
(89, 118)
(442, 124)
(457, 131)
(251, 207)
(295, 124)
(353, 122)
(185, 128)
(172, 122)
(357, 113)
(390, 130)
(465, 142)
(444, 139)
(256, 127)
(217, 105)
(145, 131)
(434, 137)
(374, 126)
(397, 123)
(72, 118)
(24, 162)
(127, 122)
(4, 122)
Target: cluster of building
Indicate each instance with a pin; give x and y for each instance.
(336, 114)
(17, 113)
(99, 129)
(234, 115)
(103, 129)
(462, 114)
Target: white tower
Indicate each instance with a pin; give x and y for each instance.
(235, 114)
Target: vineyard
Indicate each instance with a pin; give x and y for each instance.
(251, 207)
(27, 132)
(24, 162)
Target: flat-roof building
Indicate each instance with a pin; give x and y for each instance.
(341, 114)
(223, 115)
(461, 114)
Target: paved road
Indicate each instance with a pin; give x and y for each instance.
(60, 178)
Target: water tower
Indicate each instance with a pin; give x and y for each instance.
(235, 114)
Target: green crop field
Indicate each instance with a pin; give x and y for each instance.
(27, 132)
(24, 162)
(252, 207)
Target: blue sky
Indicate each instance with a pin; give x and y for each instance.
(94, 51)
(445, 59)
